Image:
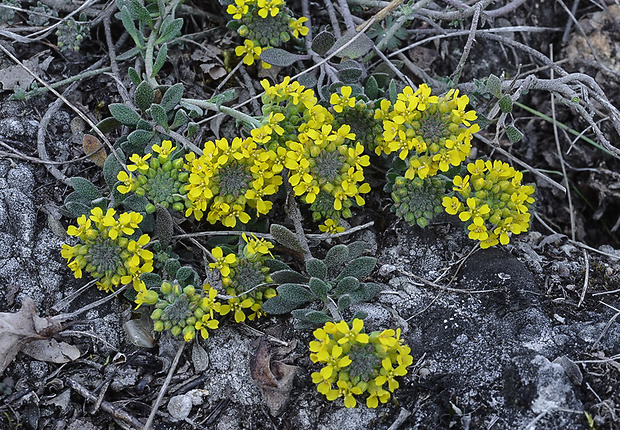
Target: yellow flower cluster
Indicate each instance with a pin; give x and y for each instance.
(431, 133)
(355, 363)
(106, 251)
(492, 201)
(228, 177)
(184, 310)
(161, 179)
(264, 24)
(323, 168)
(246, 278)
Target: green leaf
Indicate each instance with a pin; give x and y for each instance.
(77, 209)
(392, 91)
(139, 138)
(278, 306)
(111, 167)
(180, 119)
(347, 285)
(371, 88)
(357, 248)
(311, 316)
(124, 114)
(186, 275)
(172, 97)
(134, 76)
(128, 55)
(318, 288)
(358, 48)
(295, 293)
(163, 225)
(224, 97)
(142, 13)
(308, 80)
(514, 134)
(359, 315)
(85, 188)
(136, 203)
(280, 57)
(285, 237)
(494, 85)
(316, 268)
(130, 26)
(108, 125)
(360, 268)
(344, 302)
(170, 29)
(144, 96)
(370, 290)
(349, 76)
(171, 266)
(323, 42)
(160, 59)
(505, 104)
(337, 256)
(276, 265)
(287, 276)
(151, 280)
(158, 114)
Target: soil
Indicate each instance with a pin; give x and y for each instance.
(525, 336)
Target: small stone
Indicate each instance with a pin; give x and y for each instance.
(180, 407)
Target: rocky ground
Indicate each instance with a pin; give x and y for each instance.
(522, 337)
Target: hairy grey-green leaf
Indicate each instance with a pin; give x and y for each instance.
(514, 134)
(85, 188)
(172, 97)
(308, 80)
(77, 209)
(371, 88)
(322, 42)
(160, 59)
(359, 268)
(108, 125)
(356, 49)
(276, 265)
(312, 316)
(222, 98)
(130, 26)
(111, 167)
(316, 268)
(288, 276)
(392, 91)
(136, 203)
(278, 306)
(139, 138)
(280, 57)
(141, 13)
(180, 119)
(370, 290)
(171, 266)
(347, 285)
(359, 315)
(128, 55)
(170, 29)
(134, 76)
(124, 114)
(344, 302)
(356, 249)
(163, 225)
(151, 280)
(319, 288)
(336, 256)
(505, 104)
(349, 76)
(285, 237)
(295, 293)
(186, 275)
(144, 96)
(494, 85)
(158, 113)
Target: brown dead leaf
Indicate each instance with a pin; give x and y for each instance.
(21, 328)
(51, 351)
(91, 144)
(274, 380)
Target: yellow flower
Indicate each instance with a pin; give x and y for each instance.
(452, 204)
(127, 180)
(257, 245)
(248, 51)
(222, 263)
(236, 306)
(297, 26)
(331, 227)
(269, 7)
(342, 101)
(140, 163)
(164, 150)
(238, 9)
(149, 297)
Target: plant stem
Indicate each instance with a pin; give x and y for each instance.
(78, 77)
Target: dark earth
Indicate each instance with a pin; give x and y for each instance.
(524, 336)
